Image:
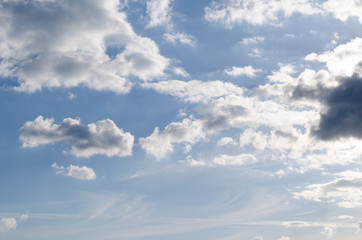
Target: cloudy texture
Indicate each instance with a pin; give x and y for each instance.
(163, 119)
(47, 44)
(102, 137)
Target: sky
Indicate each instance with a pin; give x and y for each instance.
(178, 119)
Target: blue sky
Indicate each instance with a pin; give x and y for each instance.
(175, 119)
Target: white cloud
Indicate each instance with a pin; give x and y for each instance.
(329, 230)
(159, 12)
(359, 227)
(227, 160)
(342, 60)
(159, 144)
(180, 72)
(74, 43)
(24, 217)
(255, 138)
(343, 10)
(296, 224)
(229, 12)
(226, 141)
(248, 71)
(83, 173)
(285, 238)
(252, 40)
(258, 238)
(345, 217)
(195, 90)
(344, 190)
(7, 224)
(180, 38)
(102, 137)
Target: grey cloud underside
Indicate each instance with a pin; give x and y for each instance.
(343, 117)
(217, 119)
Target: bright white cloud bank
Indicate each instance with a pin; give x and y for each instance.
(102, 137)
(45, 44)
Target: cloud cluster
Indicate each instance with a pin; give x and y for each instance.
(46, 44)
(102, 137)
(11, 223)
(83, 173)
(229, 12)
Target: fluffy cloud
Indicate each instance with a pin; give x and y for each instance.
(180, 38)
(46, 44)
(159, 144)
(329, 230)
(228, 12)
(345, 190)
(343, 10)
(158, 12)
(83, 173)
(7, 224)
(195, 90)
(344, 60)
(227, 160)
(102, 137)
(248, 71)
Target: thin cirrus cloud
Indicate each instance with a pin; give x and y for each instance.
(83, 173)
(102, 137)
(47, 44)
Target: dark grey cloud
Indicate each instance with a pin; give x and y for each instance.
(102, 137)
(343, 117)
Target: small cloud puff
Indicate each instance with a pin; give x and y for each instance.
(83, 173)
